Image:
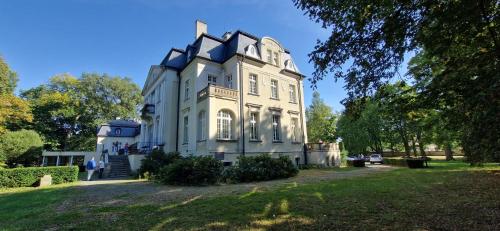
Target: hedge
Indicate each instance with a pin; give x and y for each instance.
(26, 177)
(260, 168)
(151, 165)
(199, 170)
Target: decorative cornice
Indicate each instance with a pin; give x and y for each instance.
(253, 105)
(275, 109)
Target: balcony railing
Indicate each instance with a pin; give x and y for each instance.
(217, 91)
(144, 147)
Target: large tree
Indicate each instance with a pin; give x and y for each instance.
(320, 121)
(23, 147)
(369, 40)
(14, 112)
(68, 110)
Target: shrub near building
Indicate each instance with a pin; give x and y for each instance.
(151, 165)
(199, 170)
(260, 168)
(26, 177)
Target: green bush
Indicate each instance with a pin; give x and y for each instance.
(260, 168)
(343, 157)
(22, 147)
(26, 177)
(200, 170)
(151, 165)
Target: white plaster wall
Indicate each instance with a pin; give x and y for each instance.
(135, 161)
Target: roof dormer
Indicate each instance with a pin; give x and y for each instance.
(251, 50)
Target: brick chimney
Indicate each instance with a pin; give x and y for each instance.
(201, 28)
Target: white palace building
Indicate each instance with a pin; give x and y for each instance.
(238, 94)
(225, 97)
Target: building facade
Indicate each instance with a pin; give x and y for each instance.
(226, 96)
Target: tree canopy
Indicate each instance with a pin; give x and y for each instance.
(321, 121)
(68, 110)
(14, 112)
(456, 68)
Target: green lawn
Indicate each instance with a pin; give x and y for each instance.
(448, 196)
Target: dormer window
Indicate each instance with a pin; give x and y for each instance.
(276, 59)
(251, 51)
(289, 65)
(118, 131)
(269, 56)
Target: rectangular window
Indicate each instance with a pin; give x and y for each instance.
(293, 94)
(276, 128)
(294, 127)
(276, 60)
(186, 90)
(152, 97)
(224, 124)
(212, 79)
(254, 124)
(253, 84)
(274, 88)
(158, 95)
(229, 81)
(269, 56)
(185, 138)
(202, 124)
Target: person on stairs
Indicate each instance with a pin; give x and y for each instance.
(101, 168)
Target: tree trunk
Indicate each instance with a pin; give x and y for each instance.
(414, 147)
(448, 152)
(404, 138)
(420, 144)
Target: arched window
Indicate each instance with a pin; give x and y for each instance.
(224, 125)
(202, 125)
(118, 131)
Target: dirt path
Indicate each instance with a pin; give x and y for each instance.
(123, 192)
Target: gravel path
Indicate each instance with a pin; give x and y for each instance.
(128, 191)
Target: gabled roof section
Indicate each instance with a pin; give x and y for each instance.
(176, 58)
(119, 128)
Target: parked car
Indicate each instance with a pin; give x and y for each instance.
(376, 158)
(351, 158)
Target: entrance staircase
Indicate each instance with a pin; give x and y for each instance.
(120, 167)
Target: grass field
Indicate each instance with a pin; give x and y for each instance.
(447, 196)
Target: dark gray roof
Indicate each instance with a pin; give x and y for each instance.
(120, 128)
(211, 48)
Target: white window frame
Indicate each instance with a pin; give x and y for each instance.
(212, 79)
(229, 81)
(253, 84)
(276, 119)
(293, 93)
(224, 125)
(152, 97)
(269, 56)
(158, 95)
(276, 60)
(254, 126)
(295, 130)
(186, 90)
(202, 125)
(185, 137)
(274, 89)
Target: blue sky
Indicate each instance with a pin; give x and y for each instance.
(40, 39)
